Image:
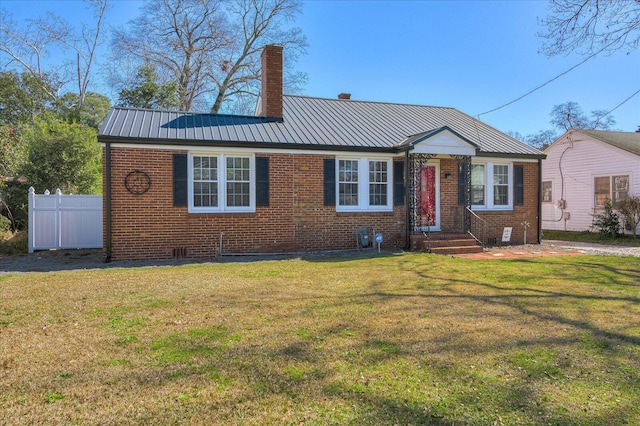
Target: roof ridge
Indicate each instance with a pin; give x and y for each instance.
(367, 102)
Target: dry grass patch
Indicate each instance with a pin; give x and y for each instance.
(404, 339)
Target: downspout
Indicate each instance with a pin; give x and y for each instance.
(407, 208)
(107, 202)
(539, 201)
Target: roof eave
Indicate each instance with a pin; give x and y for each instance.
(235, 144)
(511, 155)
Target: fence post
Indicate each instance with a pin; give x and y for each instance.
(30, 220)
(58, 219)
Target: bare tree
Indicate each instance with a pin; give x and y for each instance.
(211, 48)
(591, 26)
(255, 23)
(28, 46)
(569, 115)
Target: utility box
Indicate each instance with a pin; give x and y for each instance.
(364, 237)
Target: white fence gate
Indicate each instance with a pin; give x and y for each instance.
(64, 221)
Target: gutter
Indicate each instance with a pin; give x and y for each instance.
(539, 201)
(107, 201)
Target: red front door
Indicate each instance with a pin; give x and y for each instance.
(427, 206)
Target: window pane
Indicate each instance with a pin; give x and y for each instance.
(378, 180)
(620, 188)
(348, 194)
(477, 195)
(501, 195)
(348, 182)
(477, 174)
(500, 175)
(238, 194)
(238, 182)
(547, 192)
(602, 192)
(500, 185)
(205, 186)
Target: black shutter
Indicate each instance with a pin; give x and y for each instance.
(262, 181)
(329, 182)
(518, 187)
(462, 184)
(180, 180)
(398, 183)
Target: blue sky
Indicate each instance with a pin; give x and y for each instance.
(471, 55)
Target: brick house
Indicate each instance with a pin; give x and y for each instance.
(305, 173)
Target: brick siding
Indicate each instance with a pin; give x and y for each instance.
(148, 226)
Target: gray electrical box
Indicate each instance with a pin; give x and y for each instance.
(364, 237)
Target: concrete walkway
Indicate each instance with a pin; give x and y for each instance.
(554, 248)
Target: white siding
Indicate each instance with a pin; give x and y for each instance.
(584, 158)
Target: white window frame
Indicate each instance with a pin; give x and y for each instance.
(489, 186)
(363, 185)
(612, 190)
(542, 189)
(222, 183)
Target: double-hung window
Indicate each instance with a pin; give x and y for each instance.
(614, 188)
(221, 183)
(547, 191)
(492, 186)
(477, 185)
(363, 184)
(500, 185)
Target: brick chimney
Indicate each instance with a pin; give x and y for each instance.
(272, 81)
(345, 96)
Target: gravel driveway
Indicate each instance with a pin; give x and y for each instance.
(65, 260)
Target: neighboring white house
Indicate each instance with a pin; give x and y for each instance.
(583, 169)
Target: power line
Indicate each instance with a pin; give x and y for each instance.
(552, 80)
(614, 108)
(622, 103)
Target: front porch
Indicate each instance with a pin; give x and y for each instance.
(440, 220)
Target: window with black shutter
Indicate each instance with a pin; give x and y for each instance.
(180, 191)
(329, 182)
(398, 183)
(262, 181)
(518, 185)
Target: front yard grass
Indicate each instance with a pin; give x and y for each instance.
(399, 339)
(592, 237)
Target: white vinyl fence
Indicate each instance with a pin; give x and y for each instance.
(58, 221)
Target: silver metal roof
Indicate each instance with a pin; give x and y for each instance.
(629, 141)
(310, 123)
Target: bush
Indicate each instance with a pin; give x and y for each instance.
(14, 243)
(608, 222)
(630, 210)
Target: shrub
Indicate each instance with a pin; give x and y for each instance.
(608, 222)
(630, 210)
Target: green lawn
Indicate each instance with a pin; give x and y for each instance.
(591, 237)
(402, 339)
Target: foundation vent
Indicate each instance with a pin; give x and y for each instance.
(179, 252)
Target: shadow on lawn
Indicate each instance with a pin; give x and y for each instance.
(84, 259)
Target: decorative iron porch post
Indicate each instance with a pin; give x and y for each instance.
(416, 162)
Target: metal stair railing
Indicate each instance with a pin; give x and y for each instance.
(478, 226)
